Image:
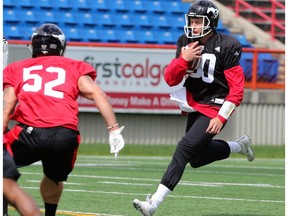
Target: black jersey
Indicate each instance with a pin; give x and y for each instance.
(208, 83)
(219, 76)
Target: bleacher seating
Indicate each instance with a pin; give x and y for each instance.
(90, 34)
(117, 15)
(12, 32)
(118, 6)
(174, 7)
(120, 21)
(267, 66)
(243, 40)
(28, 16)
(143, 21)
(85, 19)
(42, 4)
(10, 17)
(246, 63)
(80, 5)
(46, 16)
(146, 36)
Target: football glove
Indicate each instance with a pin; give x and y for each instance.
(116, 141)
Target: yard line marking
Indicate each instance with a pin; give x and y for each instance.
(100, 165)
(134, 166)
(249, 167)
(66, 183)
(211, 184)
(173, 196)
(228, 199)
(72, 213)
(133, 163)
(182, 182)
(99, 162)
(125, 183)
(240, 173)
(186, 183)
(168, 158)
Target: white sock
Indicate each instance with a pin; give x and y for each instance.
(161, 193)
(234, 147)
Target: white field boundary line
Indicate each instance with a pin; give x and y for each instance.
(100, 182)
(240, 173)
(73, 213)
(189, 169)
(164, 160)
(172, 196)
(203, 171)
(185, 183)
(169, 158)
(153, 180)
(134, 166)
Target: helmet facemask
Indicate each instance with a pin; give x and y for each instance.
(5, 52)
(189, 29)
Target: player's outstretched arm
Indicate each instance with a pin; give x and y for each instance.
(9, 103)
(90, 90)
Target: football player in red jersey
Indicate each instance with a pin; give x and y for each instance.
(210, 94)
(12, 192)
(40, 93)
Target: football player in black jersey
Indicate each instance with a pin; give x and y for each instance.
(208, 64)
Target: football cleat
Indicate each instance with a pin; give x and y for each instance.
(146, 208)
(245, 143)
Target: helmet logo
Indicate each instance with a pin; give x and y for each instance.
(214, 11)
(43, 46)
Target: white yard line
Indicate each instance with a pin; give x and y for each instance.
(173, 196)
(74, 213)
(134, 163)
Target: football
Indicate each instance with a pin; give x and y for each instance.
(193, 65)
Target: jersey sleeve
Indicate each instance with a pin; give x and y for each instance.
(86, 69)
(233, 71)
(175, 71)
(235, 79)
(8, 77)
(232, 52)
(177, 68)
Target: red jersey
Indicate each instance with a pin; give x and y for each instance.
(47, 90)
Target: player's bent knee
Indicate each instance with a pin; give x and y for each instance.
(194, 165)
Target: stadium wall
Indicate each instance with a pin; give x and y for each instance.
(261, 115)
(264, 123)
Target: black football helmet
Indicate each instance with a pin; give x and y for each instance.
(48, 39)
(5, 51)
(206, 10)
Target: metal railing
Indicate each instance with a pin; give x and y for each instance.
(274, 22)
(254, 83)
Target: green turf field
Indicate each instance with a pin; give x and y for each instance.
(101, 185)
